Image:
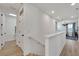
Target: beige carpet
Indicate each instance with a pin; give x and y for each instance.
(10, 49)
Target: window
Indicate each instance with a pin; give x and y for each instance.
(59, 26)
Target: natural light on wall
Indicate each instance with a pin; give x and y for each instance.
(12, 15)
(73, 4)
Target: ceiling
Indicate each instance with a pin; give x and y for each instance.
(10, 7)
(62, 10)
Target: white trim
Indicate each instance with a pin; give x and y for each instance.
(52, 35)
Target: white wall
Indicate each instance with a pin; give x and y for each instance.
(48, 24)
(34, 24)
(32, 28)
(10, 23)
(37, 23)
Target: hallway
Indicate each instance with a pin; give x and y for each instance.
(71, 48)
(39, 29)
(10, 49)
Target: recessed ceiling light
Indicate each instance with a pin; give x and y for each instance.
(12, 14)
(73, 4)
(72, 16)
(53, 11)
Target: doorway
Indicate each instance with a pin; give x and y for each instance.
(71, 31)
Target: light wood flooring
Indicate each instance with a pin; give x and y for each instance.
(71, 48)
(10, 49)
